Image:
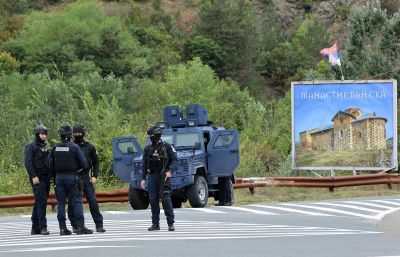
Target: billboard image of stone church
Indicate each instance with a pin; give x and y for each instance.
(350, 130)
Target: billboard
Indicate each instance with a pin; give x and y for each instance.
(344, 125)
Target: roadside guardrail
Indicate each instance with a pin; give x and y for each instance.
(251, 183)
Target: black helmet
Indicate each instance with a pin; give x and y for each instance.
(65, 131)
(79, 128)
(154, 131)
(40, 129)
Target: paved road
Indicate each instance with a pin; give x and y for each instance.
(365, 228)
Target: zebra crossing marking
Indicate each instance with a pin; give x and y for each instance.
(136, 230)
(291, 210)
(45, 249)
(370, 204)
(248, 210)
(350, 207)
(387, 202)
(330, 210)
(207, 210)
(116, 212)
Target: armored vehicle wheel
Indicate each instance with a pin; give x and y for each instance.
(138, 199)
(176, 202)
(198, 192)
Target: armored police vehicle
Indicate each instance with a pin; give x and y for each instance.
(205, 152)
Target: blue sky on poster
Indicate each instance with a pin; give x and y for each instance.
(316, 104)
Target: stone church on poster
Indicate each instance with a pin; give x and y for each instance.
(351, 130)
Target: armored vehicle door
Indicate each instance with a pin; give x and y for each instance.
(124, 150)
(223, 153)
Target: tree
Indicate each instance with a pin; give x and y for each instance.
(82, 31)
(234, 26)
(372, 50)
(207, 50)
(156, 32)
(291, 59)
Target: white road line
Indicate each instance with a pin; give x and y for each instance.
(248, 210)
(45, 249)
(330, 210)
(116, 212)
(370, 204)
(383, 214)
(54, 237)
(209, 238)
(186, 230)
(387, 202)
(291, 210)
(350, 207)
(174, 236)
(206, 210)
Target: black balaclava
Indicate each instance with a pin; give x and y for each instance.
(155, 139)
(78, 139)
(154, 134)
(79, 128)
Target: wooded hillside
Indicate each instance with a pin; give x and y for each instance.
(114, 65)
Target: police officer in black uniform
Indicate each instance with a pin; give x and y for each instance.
(88, 180)
(225, 191)
(159, 162)
(66, 160)
(36, 165)
(225, 183)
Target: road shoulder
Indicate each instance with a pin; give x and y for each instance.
(390, 224)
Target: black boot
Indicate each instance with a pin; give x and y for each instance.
(100, 230)
(83, 230)
(171, 227)
(44, 232)
(154, 227)
(65, 232)
(35, 231)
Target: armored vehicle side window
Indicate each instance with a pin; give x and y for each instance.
(186, 140)
(127, 148)
(223, 141)
(168, 139)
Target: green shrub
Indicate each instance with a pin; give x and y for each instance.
(307, 4)
(80, 32)
(343, 11)
(207, 50)
(8, 63)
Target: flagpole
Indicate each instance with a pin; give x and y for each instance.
(341, 72)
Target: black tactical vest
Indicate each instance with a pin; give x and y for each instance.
(157, 158)
(64, 158)
(39, 159)
(87, 150)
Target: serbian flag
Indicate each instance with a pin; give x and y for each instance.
(332, 53)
